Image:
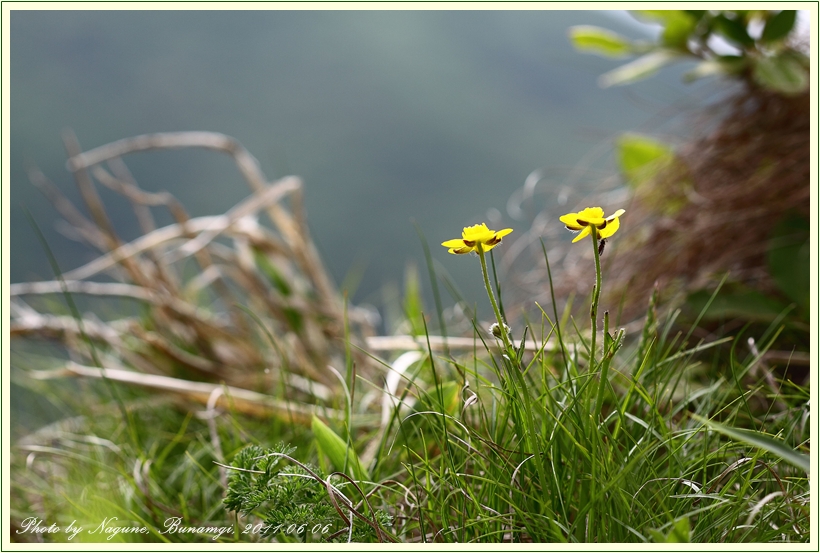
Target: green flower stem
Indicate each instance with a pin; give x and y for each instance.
(605, 360)
(501, 324)
(514, 376)
(593, 315)
(596, 294)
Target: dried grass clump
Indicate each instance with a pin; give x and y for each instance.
(228, 301)
(712, 210)
(734, 186)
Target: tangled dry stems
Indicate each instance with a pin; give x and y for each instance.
(711, 212)
(197, 327)
(733, 186)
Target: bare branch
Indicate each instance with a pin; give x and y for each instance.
(409, 343)
(247, 164)
(86, 229)
(82, 287)
(244, 401)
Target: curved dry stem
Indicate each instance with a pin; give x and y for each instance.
(232, 398)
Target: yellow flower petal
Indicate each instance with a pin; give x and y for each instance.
(570, 220)
(611, 228)
(454, 243)
(592, 217)
(597, 221)
(477, 233)
(591, 213)
(476, 238)
(582, 234)
(616, 215)
(488, 247)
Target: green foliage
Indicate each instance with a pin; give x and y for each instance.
(292, 499)
(782, 72)
(679, 532)
(779, 26)
(788, 260)
(762, 441)
(641, 68)
(246, 490)
(641, 157)
(341, 455)
(536, 446)
(677, 25)
(769, 60)
(279, 283)
(719, 65)
(281, 286)
(599, 41)
(610, 447)
(559, 435)
(413, 303)
(733, 29)
(444, 398)
(644, 162)
(788, 257)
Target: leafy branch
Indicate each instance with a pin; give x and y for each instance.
(764, 52)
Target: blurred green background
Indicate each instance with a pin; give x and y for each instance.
(388, 116)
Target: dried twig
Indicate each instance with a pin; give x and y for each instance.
(410, 343)
(232, 398)
(193, 321)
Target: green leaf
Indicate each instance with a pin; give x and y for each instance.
(638, 69)
(599, 41)
(641, 157)
(704, 69)
(697, 15)
(444, 399)
(280, 284)
(341, 456)
(679, 533)
(733, 64)
(678, 27)
(799, 57)
(413, 304)
(733, 30)
(722, 65)
(782, 73)
(660, 16)
(269, 270)
(789, 261)
(779, 26)
(762, 441)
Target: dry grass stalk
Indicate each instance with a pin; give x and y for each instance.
(195, 326)
(440, 343)
(213, 395)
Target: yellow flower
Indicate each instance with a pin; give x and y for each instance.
(592, 216)
(476, 238)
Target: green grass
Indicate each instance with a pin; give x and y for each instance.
(229, 393)
(524, 446)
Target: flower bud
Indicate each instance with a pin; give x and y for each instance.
(495, 330)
